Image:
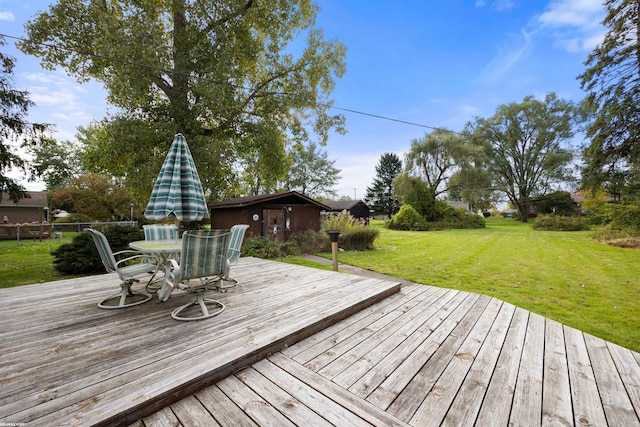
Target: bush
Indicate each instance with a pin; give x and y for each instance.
(355, 235)
(309, 242)
(260, 247)
(560, 223)
(81, 256)
(407, 218)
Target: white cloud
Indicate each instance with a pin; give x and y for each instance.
(575, 24)
(507, 57)
(480, 3)
(6, 16)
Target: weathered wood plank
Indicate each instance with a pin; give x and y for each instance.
(288, 405)
(415, 350)
(401, 393)
(629, 369)
(498, 400)
(587, 406)
(252, 404)
(380, 345)
(163, 418)
(359, 407)
(226, 412)
(616, 402)
(317, 344)
(434, 407)
(556, 399)
(527, 399)
(190, 412)
(469, 398)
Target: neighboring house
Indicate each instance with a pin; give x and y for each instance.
(274, 216)
(30, 209)
(460, 205)
(579, 196)
(357, 208)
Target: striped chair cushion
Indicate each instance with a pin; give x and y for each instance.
(160, 231)
(204, 253)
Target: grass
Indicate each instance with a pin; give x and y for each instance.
(29, 261)
(564, 276)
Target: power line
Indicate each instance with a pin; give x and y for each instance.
(178, 73)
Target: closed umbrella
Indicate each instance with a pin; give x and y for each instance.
(178, 190)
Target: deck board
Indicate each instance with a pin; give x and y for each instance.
(76, 364)
(297, 346)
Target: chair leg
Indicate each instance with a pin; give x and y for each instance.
(200, 302)
(126, 294)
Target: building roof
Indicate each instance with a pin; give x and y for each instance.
(288, 197)
(35, 199)
(341, 205)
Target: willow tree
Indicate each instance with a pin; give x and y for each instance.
(239, 79)
(612, 80)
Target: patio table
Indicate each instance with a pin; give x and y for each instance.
(163, 250)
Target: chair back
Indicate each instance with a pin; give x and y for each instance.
(204, 253)
(160, 231)
(237, 235)
(104, 249)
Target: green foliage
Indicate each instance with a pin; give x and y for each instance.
(14, 127)
(407, 218)
(81, 256)
(95, 197)
(559, 202)
(56, 162)
(311, 172)
(560, 223)
(308, 242)
(259, 247)
(526, 146)
(380, 195)
(354, 234)
(456, 218)
(611, 79)
(215, 70)
(622, 217)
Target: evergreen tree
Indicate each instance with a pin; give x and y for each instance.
(380, 195)
(14, 129)
(612, 80)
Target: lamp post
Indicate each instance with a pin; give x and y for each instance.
(131, 208)
(333, 235)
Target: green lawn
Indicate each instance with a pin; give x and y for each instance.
(29, 261)
(564, 276)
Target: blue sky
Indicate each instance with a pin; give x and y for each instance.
(435, 63)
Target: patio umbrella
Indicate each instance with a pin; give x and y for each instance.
(178, 189)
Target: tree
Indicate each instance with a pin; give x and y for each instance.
(612, 81)
(95, 197)
(435, 157)
(559, 202)
(14, 129)
(473, 185)
(312, 173)
(56, 162)
(230, 75)
(525, 147)
(380, 195)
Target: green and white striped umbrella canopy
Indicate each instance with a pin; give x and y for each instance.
(178, 189)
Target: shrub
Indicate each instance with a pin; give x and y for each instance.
(560, 223)
(354, 234)
(310, 242)
(81, 256)
(260, 247)
(461, 219)
(407, 218)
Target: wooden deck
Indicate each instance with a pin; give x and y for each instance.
(419, 357)
(64, 361)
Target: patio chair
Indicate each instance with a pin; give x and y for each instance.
(203, 256)
(233, 255)
(159, 232)
(120, 262)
